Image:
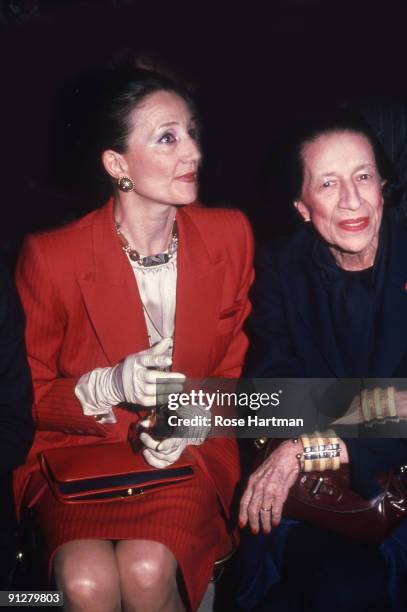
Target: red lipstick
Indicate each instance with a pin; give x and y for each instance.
(354, 225)
(187, 178)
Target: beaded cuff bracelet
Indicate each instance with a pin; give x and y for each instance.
(321, 452)
(378, 406)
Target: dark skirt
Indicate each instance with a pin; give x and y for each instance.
(305, 569)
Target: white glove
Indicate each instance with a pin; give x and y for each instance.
(137, 380)
(164, 453)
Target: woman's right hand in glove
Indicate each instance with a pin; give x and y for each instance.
(138, 379)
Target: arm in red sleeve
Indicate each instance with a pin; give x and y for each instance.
(55, 407)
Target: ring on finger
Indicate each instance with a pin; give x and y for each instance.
(265, 509)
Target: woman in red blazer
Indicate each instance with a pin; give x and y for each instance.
(89, 308)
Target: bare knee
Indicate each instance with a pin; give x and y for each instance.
(147, 565)
(89, 580)
(82, 590)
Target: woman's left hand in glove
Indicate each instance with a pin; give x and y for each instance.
(161, 454)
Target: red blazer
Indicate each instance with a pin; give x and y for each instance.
(84, 311)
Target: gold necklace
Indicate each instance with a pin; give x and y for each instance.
(150, 260)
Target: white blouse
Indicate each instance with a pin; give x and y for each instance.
(157, 287)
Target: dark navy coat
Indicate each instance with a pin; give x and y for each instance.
(292, 334)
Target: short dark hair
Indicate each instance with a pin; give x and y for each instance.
(342, 120)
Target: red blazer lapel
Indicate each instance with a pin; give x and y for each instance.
(199, 291)
(111, 295)
(114, 306)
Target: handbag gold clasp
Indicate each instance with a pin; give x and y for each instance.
(131, 492)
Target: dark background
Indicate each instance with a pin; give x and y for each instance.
(254, 70)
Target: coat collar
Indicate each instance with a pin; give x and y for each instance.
(113, 301)
(310, 301)
(110, 293)
(199, 291)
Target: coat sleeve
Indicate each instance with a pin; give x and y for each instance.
(55, 405)
(16, 426)
(383, 447)
(271, 352)
(231, 363)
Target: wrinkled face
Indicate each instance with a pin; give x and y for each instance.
(342, 191)
(162, 154)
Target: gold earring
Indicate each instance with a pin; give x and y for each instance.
(125, 183)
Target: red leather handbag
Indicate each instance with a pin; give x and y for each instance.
(326, 500)
(104, 472)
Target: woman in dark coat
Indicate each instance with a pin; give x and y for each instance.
(331, 301)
